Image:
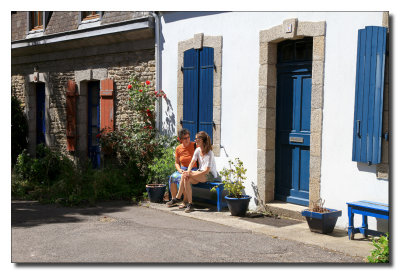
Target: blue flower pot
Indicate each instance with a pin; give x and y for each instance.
(238, 206)
(322, 222)
(156, 192)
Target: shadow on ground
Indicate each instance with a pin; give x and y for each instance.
(31, 213)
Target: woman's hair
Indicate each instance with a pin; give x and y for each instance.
(182, 133)
(206, 140)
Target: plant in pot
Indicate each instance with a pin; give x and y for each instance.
(321, 219)
(233, 179)
(159, 171)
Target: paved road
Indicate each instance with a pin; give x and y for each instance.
(120, 232)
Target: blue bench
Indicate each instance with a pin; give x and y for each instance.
(209, 185)
(365, 208)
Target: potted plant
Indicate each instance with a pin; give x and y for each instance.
(159, 171)
(321, 219)
(233, 178)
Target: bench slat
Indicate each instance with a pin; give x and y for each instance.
(370, 205)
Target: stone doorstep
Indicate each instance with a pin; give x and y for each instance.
(286, 210)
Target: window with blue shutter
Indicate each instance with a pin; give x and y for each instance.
(198, 75)
(368, 110)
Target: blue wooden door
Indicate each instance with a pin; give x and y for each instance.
(40, 114)
(94, 123)
(293, 112)
(198, 77)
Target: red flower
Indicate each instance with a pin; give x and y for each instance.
(98, 136)
(140, 90)
(155, 93)
(147, 82)
(129, 86)
(165, 95)
(150, 127)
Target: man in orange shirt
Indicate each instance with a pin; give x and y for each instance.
(183, 156)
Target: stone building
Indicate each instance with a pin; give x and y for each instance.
(71, 69)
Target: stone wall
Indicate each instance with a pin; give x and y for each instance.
(62, 21)
(119, 16)
(118, 66)
(18, 25)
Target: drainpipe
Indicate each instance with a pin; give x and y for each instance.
(158, 69)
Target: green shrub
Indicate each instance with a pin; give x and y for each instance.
(162, 167)
(70, 185)
(19, 129)
(381, 252)
(45, 168)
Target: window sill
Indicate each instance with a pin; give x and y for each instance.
(89, 23)
(35, 33)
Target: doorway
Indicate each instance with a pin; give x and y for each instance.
(293, 113)
(40, 114)
(94, 122)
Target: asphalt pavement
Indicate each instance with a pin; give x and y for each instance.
(119, 232)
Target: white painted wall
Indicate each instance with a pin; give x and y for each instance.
(341, 179)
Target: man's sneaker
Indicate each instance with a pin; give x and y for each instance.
(173, 202)
(183, 205)
(189, 208)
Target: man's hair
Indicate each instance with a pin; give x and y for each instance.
(183, 132)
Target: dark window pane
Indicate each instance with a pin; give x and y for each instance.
(287, 52)
(304, 50)
(86, 15)
(36, 20)
(300, 51)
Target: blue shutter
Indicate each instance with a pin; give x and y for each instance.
(368, 109)
(206, 91)
(190, 92)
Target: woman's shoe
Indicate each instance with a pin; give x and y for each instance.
(189, 208)
(173, 202)
(183, 205)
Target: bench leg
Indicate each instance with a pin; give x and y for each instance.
(169, 188)
(218, 199)
(350, 229)
(365, 225)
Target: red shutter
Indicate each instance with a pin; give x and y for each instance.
(71, 115)
(107, 105)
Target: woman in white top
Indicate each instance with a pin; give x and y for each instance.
(207, 168)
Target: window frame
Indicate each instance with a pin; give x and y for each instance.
(35, 30)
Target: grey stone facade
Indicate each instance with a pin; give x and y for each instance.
(116, 60)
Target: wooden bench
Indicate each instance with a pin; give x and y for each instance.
(209, 185)
(366, 208)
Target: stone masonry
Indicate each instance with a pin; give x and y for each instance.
(116, 61)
